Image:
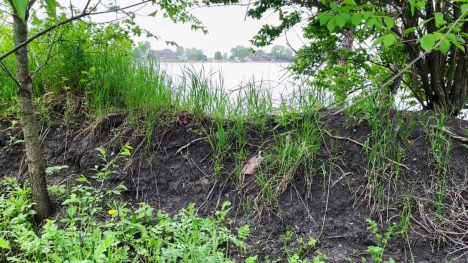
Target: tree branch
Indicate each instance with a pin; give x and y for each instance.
(422, 55)
(64, 22)
(39, 67)
(9, 73)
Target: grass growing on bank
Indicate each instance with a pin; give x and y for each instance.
(386, 148)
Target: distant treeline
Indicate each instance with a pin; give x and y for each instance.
(238, 53)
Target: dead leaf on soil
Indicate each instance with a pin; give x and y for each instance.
(251, 166)
(185, 118)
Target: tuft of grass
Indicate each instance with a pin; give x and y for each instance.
(440, 143)
(292, 154)
(386, 148)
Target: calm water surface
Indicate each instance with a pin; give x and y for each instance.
(235, 74)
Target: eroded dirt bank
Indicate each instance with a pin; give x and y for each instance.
(331, 204)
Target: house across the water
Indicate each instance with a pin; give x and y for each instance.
(262, 58)
(164, 54)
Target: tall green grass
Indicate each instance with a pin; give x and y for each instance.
(386, 148)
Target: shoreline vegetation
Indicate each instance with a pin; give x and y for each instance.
(300, 144)
(142, 169)
(217, 61)
(238, 54)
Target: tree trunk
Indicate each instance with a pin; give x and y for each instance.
(36, 169)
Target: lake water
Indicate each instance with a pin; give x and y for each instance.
(272, 76)
(235, 74)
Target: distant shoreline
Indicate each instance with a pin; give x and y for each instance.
(233, 62)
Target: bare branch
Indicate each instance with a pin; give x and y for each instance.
(86, 7)
(9, 73)
(49, 54)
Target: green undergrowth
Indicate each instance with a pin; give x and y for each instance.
(92, 225)
(96, 78)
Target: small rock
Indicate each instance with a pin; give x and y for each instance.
(370, 240)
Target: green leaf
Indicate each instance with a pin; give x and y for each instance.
(345, 15)
(463, 8)
(455, 41)
(389, 21)
(378, 24)
(334, 6)
(20, 7)
(54, 169)
(340, 21)
(375, 252)
(445, 46)
(427, 42)
(439, 19)
(36, 21)
(82, 179)
(371, 22)
(51, 8)
(331, 25)
(367, 14)
(412, 2)
(388, 40)
(378, 41)
(72, 211)
(324, 17)
(349, 2)
(420, 5)
(409, 31)
(425, 21)
(153, 14)
(4, 244)
(356, 19)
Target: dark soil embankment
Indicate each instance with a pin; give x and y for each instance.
(177, 169)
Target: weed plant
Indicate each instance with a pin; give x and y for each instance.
(377, 252)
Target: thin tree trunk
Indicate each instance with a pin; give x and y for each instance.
(36, 169)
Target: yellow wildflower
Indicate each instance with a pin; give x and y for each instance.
(111, 212)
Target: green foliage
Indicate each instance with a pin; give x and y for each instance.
(439, 141)
(297, 250)
(241, 52)
(20, 8)
(220, 143)
(109, 167)
(377, 252)
(282, 53)
(92, 230)
(218, 56)
(292, 155)
(194, 54)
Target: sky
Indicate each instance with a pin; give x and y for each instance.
(227, 26)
